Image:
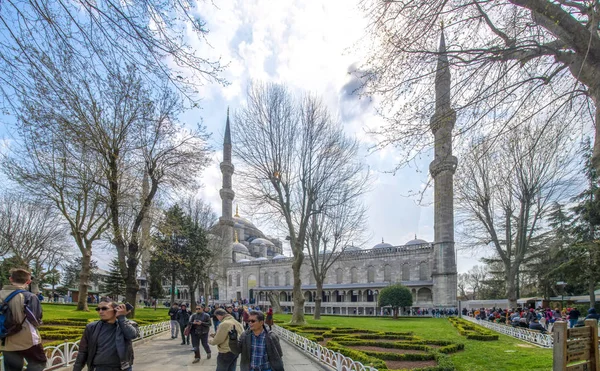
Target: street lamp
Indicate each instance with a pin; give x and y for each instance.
(562, 285)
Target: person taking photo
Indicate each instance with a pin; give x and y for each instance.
(226, 360)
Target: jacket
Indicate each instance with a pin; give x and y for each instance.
(29, 335)
(592, 314)
(183, 317)
(173, 313)
(221, 338)
(126, 331)
(243, 346)
(204, 327)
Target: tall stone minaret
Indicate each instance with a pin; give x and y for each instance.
(442, 170)
(227, 196)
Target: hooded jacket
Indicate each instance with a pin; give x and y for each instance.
(126, 332)
(592, 314)
(29, 335)
(243, 346)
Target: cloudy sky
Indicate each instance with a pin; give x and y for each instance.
(309, 46)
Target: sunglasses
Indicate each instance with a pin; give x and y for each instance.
(98, 309)
(252, 321)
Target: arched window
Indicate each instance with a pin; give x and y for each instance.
(405, 272)
(339, 275)
(276, 279)
(266, 279)
(387, 273)
(370, 274)
(424, 295)
(238, 280)
(423, 271)
(287, 278)
(230, 280)
(353, 275)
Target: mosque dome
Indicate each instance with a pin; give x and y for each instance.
(279, 256)
(352, 248)
(243, 261)
(261, 259)
(240, 248)
(416, 241)
(382, 245)
(261, 241)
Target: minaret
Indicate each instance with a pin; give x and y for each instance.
(442, 170)
(227, 195)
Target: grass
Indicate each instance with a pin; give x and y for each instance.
(65, 311)
(506, 354)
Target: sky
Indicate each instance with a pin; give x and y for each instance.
(310, 46)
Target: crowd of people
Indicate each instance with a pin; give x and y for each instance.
(233, 327)
(541, 319)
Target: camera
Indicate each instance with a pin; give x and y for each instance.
(233, 335)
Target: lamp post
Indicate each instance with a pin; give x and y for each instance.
(562, 285)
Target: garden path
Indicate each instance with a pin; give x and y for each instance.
(164, 354)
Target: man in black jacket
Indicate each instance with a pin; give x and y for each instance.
(260, 348)
(200, 322)
(183, 318)
(106, 345)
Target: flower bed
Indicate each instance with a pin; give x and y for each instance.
(384, 350)
(472, 331)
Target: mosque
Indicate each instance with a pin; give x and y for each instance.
(251, 265)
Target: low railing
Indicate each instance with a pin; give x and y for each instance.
(64, 354)
(537, 338)
(336, 360)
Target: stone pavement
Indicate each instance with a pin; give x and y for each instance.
(162, 353)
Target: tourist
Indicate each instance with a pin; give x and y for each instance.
(592, 314)
(200, 327)
(174, 324)
(226, 360)
(573, 317)
(24, 341)
(106, 345)
(536, 325)
(260, 348)
(245, 317)
(269, 319)
(183, 319)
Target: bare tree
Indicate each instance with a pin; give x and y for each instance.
(32, 235)
(289, 148)
(507, 55)
(341, 225)
(60, 171)
(155, 36)
(505, 191)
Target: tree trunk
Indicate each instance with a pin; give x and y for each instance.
(131, 284)
(298, 313)
(395, 310)
(193, 298)
(595, 95)
(510, 287)
(172, 286)
(84, 278)
(274, 299)
(318, 299)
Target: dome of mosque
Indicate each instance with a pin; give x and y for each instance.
(240, 248)
(242, 222)
(243, 260)
(382, 245)
(279, 256)
(416, 241)
(261, 259)
(261, 241)
(352, 248)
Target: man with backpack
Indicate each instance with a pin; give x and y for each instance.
(20, 315)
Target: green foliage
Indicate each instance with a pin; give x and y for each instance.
(71, 272)
(396, 296)
(114, 285)
(471, 331)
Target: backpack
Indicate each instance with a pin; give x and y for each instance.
(8, 328)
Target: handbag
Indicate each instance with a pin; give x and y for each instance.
(187, 330)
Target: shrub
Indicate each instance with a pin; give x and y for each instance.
(471, 331)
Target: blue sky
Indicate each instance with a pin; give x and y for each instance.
(309, 46)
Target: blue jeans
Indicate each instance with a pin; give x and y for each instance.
(573, 322)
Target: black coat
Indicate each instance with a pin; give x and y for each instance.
(243, 346)
(126, 332)
(204, 327)
(183, 317)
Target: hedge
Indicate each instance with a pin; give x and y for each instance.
(471, 331)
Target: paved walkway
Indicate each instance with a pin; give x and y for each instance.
(164, 354)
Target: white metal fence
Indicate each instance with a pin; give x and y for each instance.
(537, 338)
(64, 354)
(337, 361)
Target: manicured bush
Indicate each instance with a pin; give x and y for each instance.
(471, 331)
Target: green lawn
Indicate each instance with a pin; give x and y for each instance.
(505, 354)
(65, 311)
